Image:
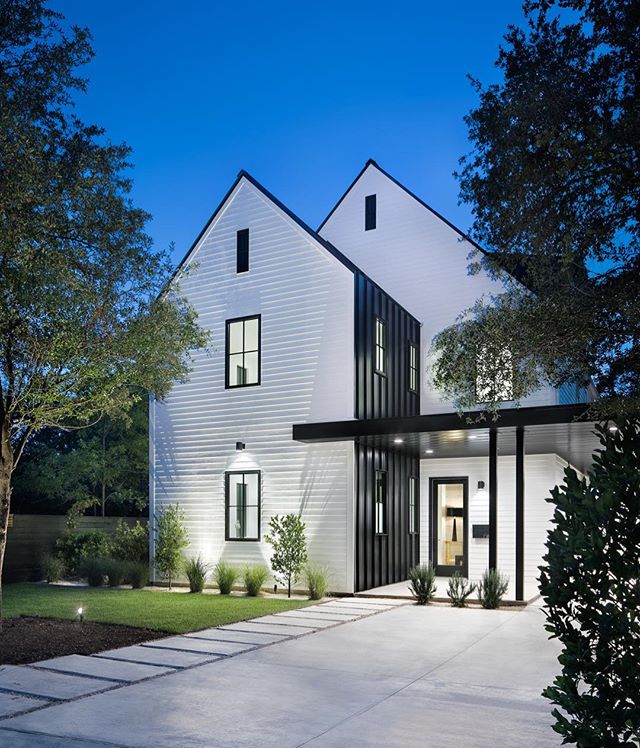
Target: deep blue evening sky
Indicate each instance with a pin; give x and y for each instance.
(298, 93)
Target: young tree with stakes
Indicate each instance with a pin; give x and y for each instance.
(289, 548)
(85, 328)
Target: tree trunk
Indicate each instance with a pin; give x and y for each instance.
(289, 587)
(6, 468)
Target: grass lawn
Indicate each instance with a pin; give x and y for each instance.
(174, 612)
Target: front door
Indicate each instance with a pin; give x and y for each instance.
(449, 511)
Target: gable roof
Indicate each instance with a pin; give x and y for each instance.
(242, 174)
(515, 274)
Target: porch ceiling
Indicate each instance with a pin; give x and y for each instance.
(549, 429)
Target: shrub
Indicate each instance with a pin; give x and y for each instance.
(254, 579)
(289, 548)
(317, 579)
(591, 588)
(94, 570)
(225, 577)
(171, 540)
(459, 590)
(137, 574)
(196, 570)
(423, 587)
(52, 568)
(131, 543)
(492, 588)
(75, 547)
(115, 570)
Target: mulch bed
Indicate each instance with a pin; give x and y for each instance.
(28, 639)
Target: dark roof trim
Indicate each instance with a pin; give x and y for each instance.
(458, 231)
(313, 234)
(509, 417)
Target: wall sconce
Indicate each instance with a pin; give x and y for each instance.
(239, 446)
(480, 484)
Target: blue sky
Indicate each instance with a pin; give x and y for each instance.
(299, 94)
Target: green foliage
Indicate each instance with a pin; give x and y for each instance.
(87, 324)
(196, 571)
(459, 590)
(53, 568)
(423, 585)
(555, 204)
(289, 548)
(74, 547)
(590, 583)
(254, 578)
(225, 577)
(94, 570)
(131, 543)
(137, 574)
(171, 540)
(116, 571)
(492, 588)
(317, 580)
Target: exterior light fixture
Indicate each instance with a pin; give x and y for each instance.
(613, 429)
(398, 441)
(81, 614)
(480, 484)
(428, 451)
(239, 446)
(473, 436)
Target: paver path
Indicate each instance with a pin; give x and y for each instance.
(397, 675)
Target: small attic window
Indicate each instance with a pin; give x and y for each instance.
(369, 212)
(242, 251)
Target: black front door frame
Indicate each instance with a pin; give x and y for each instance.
(447, 571)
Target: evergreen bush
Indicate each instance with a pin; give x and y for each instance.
(423, 586)
(492, 588)
(459, 590)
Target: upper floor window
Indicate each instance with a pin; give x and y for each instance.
(369, 212)
(242, 251)
(243, 352)
(413, 504)
(413, 367)
(381, 502)
(380, 346)
(242, 491)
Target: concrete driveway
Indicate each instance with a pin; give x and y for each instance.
(407, 676)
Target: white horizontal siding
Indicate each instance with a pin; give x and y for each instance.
(420, 261)
(541, 474)
(305, 297)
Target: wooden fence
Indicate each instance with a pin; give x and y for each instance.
(31, 536)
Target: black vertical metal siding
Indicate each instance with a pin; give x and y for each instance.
(384, 559)
(376, 395)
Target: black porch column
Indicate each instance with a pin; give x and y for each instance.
(493, 498)
(520, 513)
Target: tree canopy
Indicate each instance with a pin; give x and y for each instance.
(552, 181)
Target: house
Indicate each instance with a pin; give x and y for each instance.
(314, 397)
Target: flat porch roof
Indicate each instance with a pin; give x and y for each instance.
(558, 429)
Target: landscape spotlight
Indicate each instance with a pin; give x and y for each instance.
(81, 614)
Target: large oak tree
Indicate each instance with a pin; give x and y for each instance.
(85, 328)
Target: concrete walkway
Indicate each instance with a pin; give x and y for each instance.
(352, 672)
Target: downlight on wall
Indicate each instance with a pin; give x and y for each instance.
(397, 440)
(428, 451)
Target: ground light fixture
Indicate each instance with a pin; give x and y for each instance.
(81, 614)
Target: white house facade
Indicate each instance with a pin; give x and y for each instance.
(314, 397)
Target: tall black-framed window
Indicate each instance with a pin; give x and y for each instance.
(242, 505)
(381, 502)
(380, 336)
(242, 251)
(243, 352)
(369, 212)
(413, 367)
(413, 505)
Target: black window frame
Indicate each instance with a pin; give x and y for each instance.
(413, 367)
(380, 346)
(370, 212)
(242, 251)
(385, 503)
(227, 537)
(413, 507)
(227, 353)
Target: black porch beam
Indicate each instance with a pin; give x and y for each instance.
(520, 513)
(493, 498)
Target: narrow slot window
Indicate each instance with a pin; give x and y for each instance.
(381, 502)
(242, 251)
(413, 504)
(380, 346)
(413, 367)
(369, 212)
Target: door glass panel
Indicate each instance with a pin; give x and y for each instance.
(450, 524)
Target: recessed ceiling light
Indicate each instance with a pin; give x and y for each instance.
(398, 441)
(429, 451)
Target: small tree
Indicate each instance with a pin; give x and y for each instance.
(171, 539)
(591, 586)
(289, 548)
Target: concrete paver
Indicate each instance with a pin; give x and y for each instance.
(12, 703)
(243, 637)
(162, 657)
(102, 668)
(204, 646)
(45, 684)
